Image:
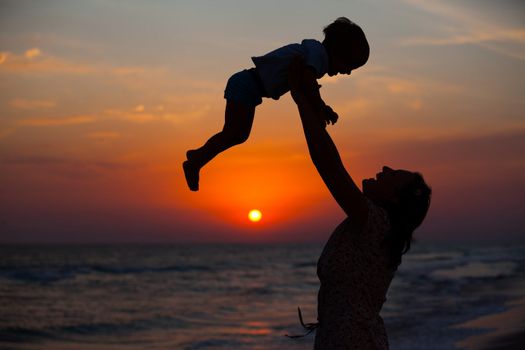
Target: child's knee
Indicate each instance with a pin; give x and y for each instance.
(237, 137)
(240, 137)
(243, 136)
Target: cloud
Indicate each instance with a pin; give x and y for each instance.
(332, 80)
(470, 28)
(6, 132)
(43, 122)
(128, 71)
(458, 152)
(190, 115)
(356, 107)
(103, 135)
(415, 104)
(398, 86)
(408, 86)
(382, 92)
(32, 160)
(25, 104)
(72, 168)
(32, 53)
(138, 114)
(35, 61)
(515, 36)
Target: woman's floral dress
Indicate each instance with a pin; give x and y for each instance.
(355, 274)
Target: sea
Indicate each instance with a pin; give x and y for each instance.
(234, 296)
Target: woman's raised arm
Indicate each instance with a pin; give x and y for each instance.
(323, 152)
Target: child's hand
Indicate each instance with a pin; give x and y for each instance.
(329, 115)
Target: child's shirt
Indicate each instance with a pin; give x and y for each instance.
(273, 67)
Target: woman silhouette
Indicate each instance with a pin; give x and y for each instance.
(362, 255)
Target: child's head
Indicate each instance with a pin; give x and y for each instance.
(346, 45)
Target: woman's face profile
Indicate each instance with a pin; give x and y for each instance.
(386, 185)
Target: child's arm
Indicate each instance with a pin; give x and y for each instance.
(312, 92)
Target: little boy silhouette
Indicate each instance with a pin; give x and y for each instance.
(343, 49)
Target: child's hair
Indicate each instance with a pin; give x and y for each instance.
(347, 40)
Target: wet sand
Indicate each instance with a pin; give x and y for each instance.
(510, 342)
(506, 330)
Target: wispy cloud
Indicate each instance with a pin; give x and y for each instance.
(356, 107)
(411, 92)
(514, 36)
(69, 167)
(103, 135)
(43, 122)
(35, 61)
(6, 132)
(503, 147)
(407, 85)
(139, 108)
(415, 104)
(32, 53)
(140, 114)
(332, 80)
(469, 27)
(136, 115)
(189, 115)
(29, 105)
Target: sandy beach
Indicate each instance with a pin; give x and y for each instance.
(506, 330)
(510, 342)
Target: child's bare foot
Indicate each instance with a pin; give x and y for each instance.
(192, 175)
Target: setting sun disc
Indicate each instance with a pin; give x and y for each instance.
(254, 215)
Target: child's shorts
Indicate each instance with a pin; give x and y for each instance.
(245, 87)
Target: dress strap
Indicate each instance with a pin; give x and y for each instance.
(309, 327)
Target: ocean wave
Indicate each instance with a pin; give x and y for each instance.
(476, 270)
(21, 334)
(55, 274)
(108, 328)
(259, 291)
(213, 343)
(435, 256)
(37, 275)
(139, 269)
(305, 264)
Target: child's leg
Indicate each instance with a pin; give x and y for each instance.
(237, 127)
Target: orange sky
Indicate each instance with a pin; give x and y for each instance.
(99, 102)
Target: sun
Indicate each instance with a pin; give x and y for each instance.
(254, 215)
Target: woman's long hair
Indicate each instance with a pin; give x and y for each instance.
(406, 214)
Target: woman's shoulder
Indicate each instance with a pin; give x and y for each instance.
(377, 221)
